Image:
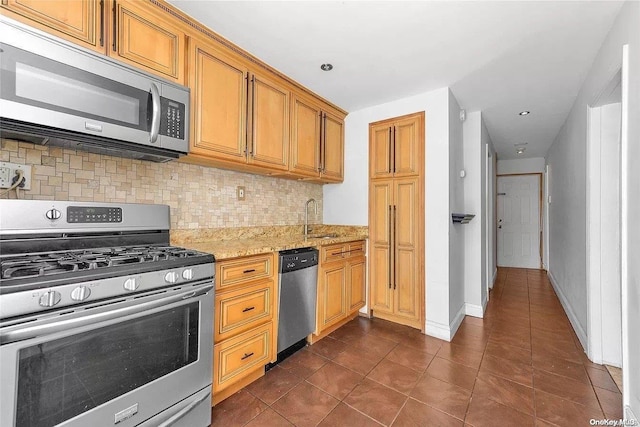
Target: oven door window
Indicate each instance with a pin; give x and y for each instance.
(60, 379)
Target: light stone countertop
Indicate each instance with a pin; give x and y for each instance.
(266, 239)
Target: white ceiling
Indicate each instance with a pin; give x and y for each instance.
(497, 57)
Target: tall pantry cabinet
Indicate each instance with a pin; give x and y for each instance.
(396, 219)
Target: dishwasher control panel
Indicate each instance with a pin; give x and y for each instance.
(296, 259)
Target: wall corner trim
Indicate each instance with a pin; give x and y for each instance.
(474, 310)
(444, 331)
(573, 319)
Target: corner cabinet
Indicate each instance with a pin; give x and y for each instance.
(341, 286)
(317, 141)
(245, 322)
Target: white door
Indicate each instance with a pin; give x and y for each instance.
(518, 219)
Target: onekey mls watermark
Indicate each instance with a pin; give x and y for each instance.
(607, 422)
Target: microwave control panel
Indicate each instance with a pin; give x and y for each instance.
(172, 123)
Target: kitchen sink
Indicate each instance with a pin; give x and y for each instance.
(322, 236)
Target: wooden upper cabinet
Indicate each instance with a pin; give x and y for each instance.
(395, 147)
(81, 22)
(306, 119)
(269, 139)
(333, 148)
(147, 39)
(218, 103)
(380, 140)
(406, 139)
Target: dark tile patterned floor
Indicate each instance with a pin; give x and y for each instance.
(520, 365)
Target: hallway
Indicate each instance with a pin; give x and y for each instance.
(520, 365)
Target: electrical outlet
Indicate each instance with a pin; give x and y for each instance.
(240, 192)
(8, 172)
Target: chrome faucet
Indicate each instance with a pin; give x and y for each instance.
(306, 215)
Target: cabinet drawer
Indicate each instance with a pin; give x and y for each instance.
(241, 310)
(238, 357)
(243, 270)
(333, 252)
(356, 249)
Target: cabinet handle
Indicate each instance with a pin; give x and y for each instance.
(394, 149)
(248, 309)
(251, 270)
(324, 143)
(115, 28)
(319, 151)
(246, 356)
(394, 244)
(101, 22)
(390, 247)
(390, 152)
(253, 116)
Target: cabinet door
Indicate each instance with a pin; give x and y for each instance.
(380, 137)
(218, 100)
(80, 22)
(269, 140)
(380, 213)
(333, 307)
(332, 148)
(148, 39)
(406, 244)
(305, 138)
(357, 282)
(406, 145)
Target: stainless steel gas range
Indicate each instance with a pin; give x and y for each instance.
(102, 322)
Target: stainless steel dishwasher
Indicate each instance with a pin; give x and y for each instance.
(298, 281)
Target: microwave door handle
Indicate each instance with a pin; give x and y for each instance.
(34, 331)
(155, 113)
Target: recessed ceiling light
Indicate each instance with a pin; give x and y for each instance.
(520, 150)
(326, 67)
(524, 113)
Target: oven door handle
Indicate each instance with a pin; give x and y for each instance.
(184, 411)
(28, 332)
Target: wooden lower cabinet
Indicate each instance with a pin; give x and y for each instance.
(341, 286)
(245, 322)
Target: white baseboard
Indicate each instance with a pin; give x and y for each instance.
(474, 310)
(629, 415)
(438, 330)
(582, 335)
(495, 277)
(443, 331)
(457, 320)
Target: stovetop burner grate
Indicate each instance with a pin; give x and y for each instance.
(38, 265)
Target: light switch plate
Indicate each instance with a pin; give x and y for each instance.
(8, 171)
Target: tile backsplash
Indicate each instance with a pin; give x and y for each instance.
(199, 197)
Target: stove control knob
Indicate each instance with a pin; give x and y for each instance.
(50, 298)
(80, 293)
(187, 274)
(171, 277)
(131, 284)
(53, 214)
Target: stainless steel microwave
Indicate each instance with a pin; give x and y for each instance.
(53, 92)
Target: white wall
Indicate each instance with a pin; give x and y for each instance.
(567, 212)
(456, 231)
(347, 203)
(476, 200)
(627, 31)
(514, 166)
(604, 323)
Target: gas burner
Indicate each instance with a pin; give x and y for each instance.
(23, 266)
